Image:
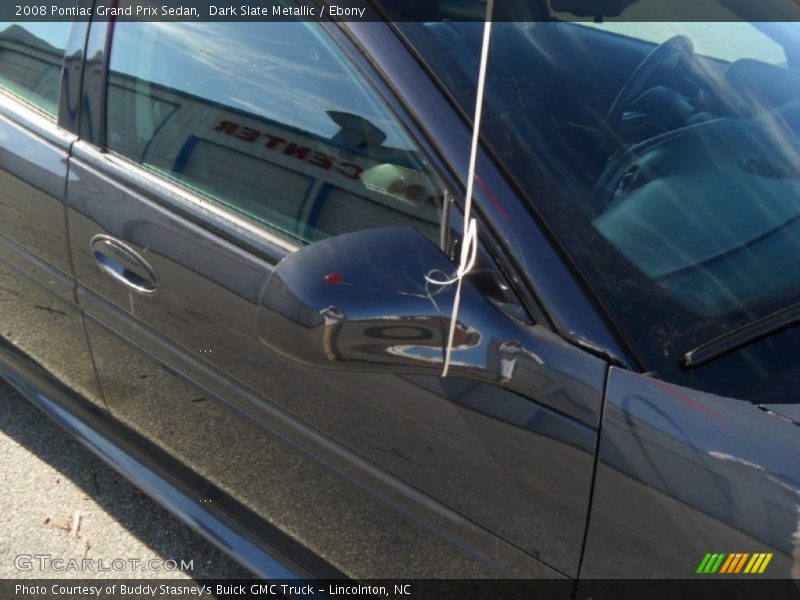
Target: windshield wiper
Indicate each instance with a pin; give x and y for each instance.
(742, 336)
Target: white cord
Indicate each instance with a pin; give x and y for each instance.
(469, 245)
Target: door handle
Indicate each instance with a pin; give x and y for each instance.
(121, 263)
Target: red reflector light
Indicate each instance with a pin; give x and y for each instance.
(333, 278)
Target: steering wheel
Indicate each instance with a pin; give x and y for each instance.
(639, 81)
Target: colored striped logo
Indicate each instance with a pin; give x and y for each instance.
(738, 562)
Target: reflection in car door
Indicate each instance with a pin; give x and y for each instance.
(679, 475)
(378, 474)
(40, 318)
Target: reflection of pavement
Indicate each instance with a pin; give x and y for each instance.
(48, 479)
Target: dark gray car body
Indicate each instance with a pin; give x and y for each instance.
(587, 469)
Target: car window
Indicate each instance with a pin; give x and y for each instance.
(719, 33)
(271, 120)
(673, 180)
(724, 41)
(31, 56)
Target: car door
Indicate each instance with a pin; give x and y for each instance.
(685, 475)
(229, 147)
(40, 317)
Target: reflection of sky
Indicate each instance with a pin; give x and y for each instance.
(55, 34)
(726, 41)
(286, 72)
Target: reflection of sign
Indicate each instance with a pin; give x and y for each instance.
(289, 148)
(298, 182)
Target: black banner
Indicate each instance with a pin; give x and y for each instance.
(401, 10)
(201, 589)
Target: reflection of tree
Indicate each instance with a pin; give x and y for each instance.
(29, 64)
(19, 35)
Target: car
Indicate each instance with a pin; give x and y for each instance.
(229, 265)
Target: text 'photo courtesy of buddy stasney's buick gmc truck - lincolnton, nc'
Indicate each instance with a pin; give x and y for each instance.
(232, 262)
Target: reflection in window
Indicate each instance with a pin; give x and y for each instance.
(673, 176)
(723, 41)
(31, 55)
(269, 119)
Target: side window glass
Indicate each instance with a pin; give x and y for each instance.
(270, 120)
(31, 56)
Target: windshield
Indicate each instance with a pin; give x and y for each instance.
(666, 157)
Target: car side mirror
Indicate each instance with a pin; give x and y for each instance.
(361, 301)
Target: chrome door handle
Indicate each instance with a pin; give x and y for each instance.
(121, 263)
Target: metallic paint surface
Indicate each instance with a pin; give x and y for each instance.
(37, 302)
(65, 408)
(207, 306)
(681, 473)
(500, 503)
(485, 474)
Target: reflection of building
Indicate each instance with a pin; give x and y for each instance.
(295, 181)
(304, 185)
(30, 67)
